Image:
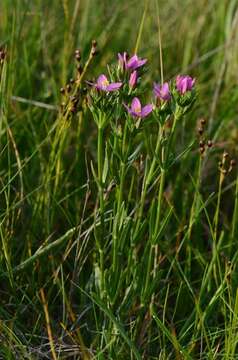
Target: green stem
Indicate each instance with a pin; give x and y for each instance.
(154, 247)
(123, 168)
(101, 202)
(120, 197)
(235, 216)
(147, 182)
(216, 218)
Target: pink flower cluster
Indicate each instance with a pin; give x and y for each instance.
(162, 92)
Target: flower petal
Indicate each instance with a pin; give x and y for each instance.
(146, 110)
(136, 105)
(114, 86)
(102, 82)
(132, 62)
(141, 63)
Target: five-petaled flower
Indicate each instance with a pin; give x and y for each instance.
(132, 64)
(162, 91)
(184, 83)
(137, 110)
(103, 84)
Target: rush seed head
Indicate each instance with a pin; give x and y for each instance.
(68, 88)
(94, 43)
(200, 131)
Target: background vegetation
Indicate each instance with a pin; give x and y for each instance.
(51, 304)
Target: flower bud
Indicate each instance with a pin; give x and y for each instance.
(133, 79)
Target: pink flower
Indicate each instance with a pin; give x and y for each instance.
(184, 83)
(137, 110)
(162, 91)
(103, 84)
(133, 79)
(133, 63)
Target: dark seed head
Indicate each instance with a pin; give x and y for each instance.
(62, 90)
(73, 110)
(209, 143)
(3, 54)
(94, 43)
(94, 51)
(79, 69)
(68, 87)
(78, 57)
(233, 162)
(203, 121)
(200, 131)
(201, 143)
(225, 155)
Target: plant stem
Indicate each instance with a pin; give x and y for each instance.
(147, 182)
(120, 197)
(216, 218)
(101, 205)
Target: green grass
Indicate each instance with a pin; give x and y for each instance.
(105, 254)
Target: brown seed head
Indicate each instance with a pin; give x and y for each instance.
(3, 54)
(94, 43)
(78, 57)
(200, 130)
(79, 69)
(94, 51)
